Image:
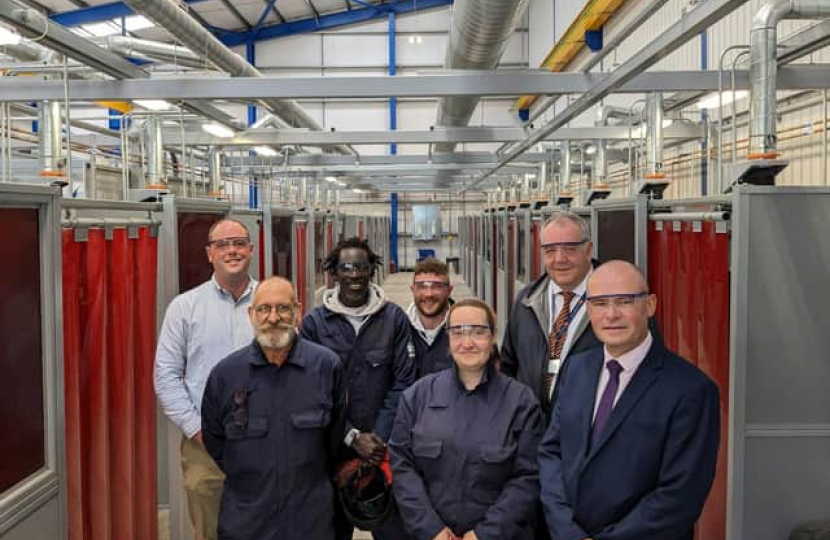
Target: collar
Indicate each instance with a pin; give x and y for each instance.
(257, 358)
(486, 377)
(224, 292)
(631, 360)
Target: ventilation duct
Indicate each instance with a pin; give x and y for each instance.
(175, 20)
(50, 141)
(654, 136)
(146, 49)
(154, 148)
(763, 69)
(479, 33)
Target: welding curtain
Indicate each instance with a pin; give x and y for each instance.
(109, 309)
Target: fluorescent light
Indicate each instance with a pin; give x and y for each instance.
(218, 130)
(153, 104)
(265, 151)
(331, 179)
(667, 122)
(591, 151)
(418, 39)
(710, 101)
(137, 22)
(8, 37)
(358, 190)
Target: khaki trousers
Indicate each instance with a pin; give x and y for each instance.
(203, 483)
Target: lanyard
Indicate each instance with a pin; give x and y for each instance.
(574, 310)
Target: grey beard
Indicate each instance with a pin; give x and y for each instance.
(269, 341)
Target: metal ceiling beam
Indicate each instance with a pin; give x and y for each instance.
(331, 20)
(99, 13)
(57, 37)
(689, 26)
(235, 12)
(790, 48)
(461, 83)
(459, 159)
(301, 137)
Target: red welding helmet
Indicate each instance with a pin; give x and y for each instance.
(365, 492)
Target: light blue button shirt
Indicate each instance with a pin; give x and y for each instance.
(201, 327)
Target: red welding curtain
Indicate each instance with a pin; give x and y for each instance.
(109, 309)
(688, 270)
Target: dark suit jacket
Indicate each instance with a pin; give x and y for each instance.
(651, 470)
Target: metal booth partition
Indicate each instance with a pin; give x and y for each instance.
(523, 250)
(536, 267)
(331, 233)
(618, 230)
(481, 245)
(183, 265)
(278, 222)
(504, 271)
(319, 282)
(33, 488)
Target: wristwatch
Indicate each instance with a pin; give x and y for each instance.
(350, 436)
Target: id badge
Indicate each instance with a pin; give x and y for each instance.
(553, 366)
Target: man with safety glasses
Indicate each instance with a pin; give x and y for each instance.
(372, 337)
(431, 290)
(201, 327)
(548, 322)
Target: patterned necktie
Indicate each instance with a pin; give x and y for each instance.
(606, 402)
(556, 339)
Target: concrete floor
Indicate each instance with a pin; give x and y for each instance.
(396, 287)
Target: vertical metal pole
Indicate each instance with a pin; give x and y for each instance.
(393, 101)
(824, 135)
(67, 120)
(250, 55)
(393, 240)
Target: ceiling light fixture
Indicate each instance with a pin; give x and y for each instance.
(8, 37)
(153, 104)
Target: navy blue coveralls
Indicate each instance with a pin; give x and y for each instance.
(377, 362)
(432, 358)
(274, 431)
(467, 459)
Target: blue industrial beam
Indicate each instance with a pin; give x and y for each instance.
(258, 26)
(99, 13)
(333, 20)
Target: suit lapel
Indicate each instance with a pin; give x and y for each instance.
(594, 364)
(644, 377)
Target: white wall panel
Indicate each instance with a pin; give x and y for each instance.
(346, 50)
(292, 51)
(430, 51)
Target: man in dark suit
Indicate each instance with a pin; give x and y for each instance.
(630, 452)
(548, 323)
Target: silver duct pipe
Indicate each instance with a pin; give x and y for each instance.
(154, 149)
(654, 135)
(26, 51)
(600, 167)
(216, 187)
(153, 50)
(565, 168)
(763, 68)
(175, 20)
(479, 32)
(50, 140)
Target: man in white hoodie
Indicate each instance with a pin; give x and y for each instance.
(372, 337)
(431, 290)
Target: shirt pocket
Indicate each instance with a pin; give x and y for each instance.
(378, 359)
(246, 450)
(308, 446)
(427, 453)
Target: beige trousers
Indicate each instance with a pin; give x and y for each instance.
(203, 483)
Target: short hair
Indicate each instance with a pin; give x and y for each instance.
(562, 216)
(226, 220)
(333, 258)
(474, 303)
(277, 279)
(431, 265)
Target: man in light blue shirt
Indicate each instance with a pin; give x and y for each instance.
(201, 327)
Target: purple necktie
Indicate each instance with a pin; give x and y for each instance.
(606, 402)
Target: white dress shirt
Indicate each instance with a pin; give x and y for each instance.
(629, 361)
